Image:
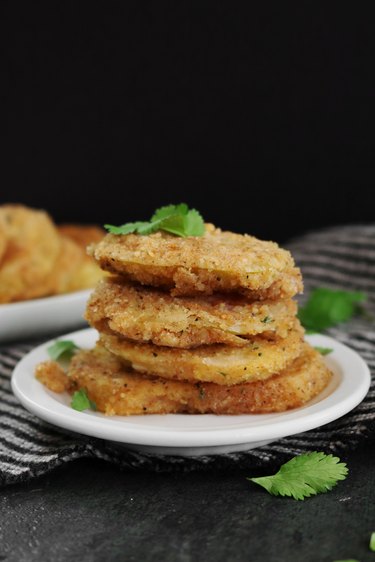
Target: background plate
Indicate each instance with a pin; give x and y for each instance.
(38, 317)
(196, 434)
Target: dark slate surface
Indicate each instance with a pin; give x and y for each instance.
(91, 511)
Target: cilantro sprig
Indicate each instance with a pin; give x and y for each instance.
(304, 476)
(323, 350)
(175, 219)
(80, 401)
(326, 308)
(62, 349)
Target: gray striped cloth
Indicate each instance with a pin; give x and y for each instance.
(339, 257)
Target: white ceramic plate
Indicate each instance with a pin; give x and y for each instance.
(196, 434)
(38, 317)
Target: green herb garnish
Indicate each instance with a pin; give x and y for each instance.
(304, 476)
(175, 219)
(326, 308)
(267, 320)
(80, 401)
(202, 393)
(62, 349)
(323, 350)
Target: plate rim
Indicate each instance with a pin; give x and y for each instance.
(43, 317)
(100, 426)
(41, 301)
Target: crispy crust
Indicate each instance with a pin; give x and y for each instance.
(117, 391)
(86, 276)
(52, 375)
(32, 248)
(67, 263)
(38, 259)
(218, 363)
(149, 315)
(218, 261)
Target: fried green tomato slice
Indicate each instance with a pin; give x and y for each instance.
(88, 273)
(118, 391)
(149, 315)
(221, 364)
(67, 262)
(32, 248)
(218, 261)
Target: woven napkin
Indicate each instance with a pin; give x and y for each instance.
(338, 258)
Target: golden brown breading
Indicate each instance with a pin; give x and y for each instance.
(66, 266)
(149, 315)
(86, 276)
(88, 273)
(216, 262)
(216, 363)
(289, 285)
(37, 259)
(53, 376)
(117, 391)
(32, 248)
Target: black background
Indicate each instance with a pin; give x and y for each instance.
(259, 116)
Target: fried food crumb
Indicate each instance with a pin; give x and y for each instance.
(150, 315)
(40, 259)
(117, 390)
(221, 364)
(53, 376)
(218, 261)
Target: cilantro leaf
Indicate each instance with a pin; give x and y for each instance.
(80, 401)
(194, 224)
(174, 224)
(62, 349)
(175, 219)
(304, 476)
(169, 210)
(327, 307)
(323, 350)
(128, 228)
